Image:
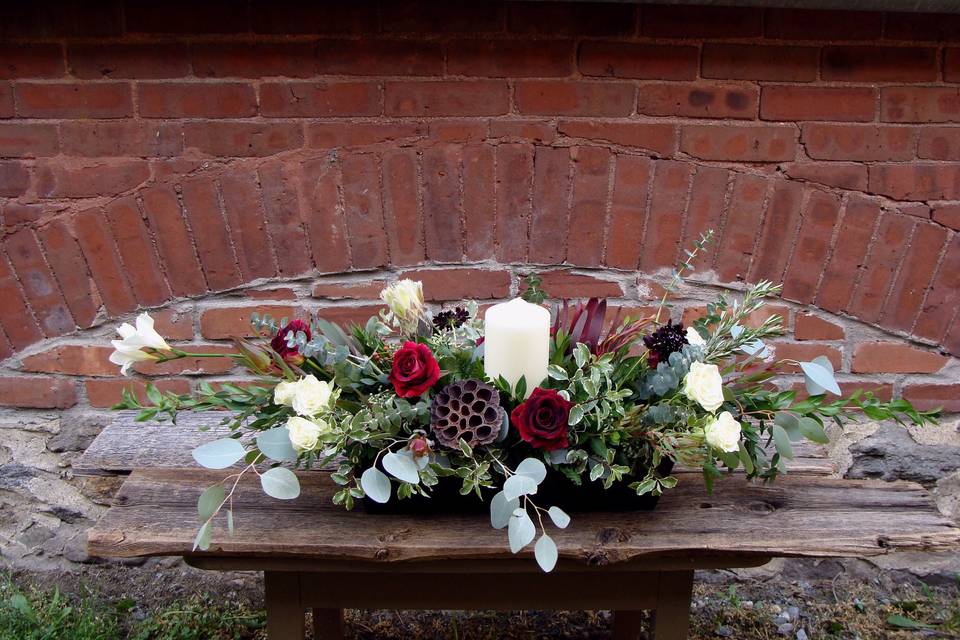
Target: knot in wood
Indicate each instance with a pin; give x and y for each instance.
(382, 554)
(611, 534)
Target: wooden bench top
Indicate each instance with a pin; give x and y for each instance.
(125, 445)
(155, 514)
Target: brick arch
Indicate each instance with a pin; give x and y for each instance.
(382, 195)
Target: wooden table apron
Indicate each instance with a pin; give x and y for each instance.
(661, 585)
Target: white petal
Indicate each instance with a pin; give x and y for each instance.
(126, 330)
(148, 334)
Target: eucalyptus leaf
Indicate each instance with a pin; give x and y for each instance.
(790, 423)
(275, 444)
(813, 430)
(533, 469)
(204, 537)
(280, 483)
(402, 467)
(501, 510)
(782, 441)
(545, 552)
(376, 485)
(819, 376)
(559, 517)
(230, 528)
(219, 454)
(210, 500)
(520, 531)
(518, 485)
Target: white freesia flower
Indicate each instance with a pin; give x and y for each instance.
(283, 393)
(405, 300)
(304, 434)
(704, 386)
(312, 396)
(694, 337)
(130, 348)
(723, 433)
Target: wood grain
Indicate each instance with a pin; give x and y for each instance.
(155, 514)
(125, 444)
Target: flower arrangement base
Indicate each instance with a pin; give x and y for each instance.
(556, 490)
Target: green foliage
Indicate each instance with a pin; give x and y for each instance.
(35, 615)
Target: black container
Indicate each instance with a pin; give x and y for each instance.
(556, 490)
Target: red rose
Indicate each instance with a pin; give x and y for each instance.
(542, 419)
(279, 342)
(414, 370)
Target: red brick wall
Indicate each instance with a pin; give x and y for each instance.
(209, 158)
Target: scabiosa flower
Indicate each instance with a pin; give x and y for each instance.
(451, 318)
(664, 341)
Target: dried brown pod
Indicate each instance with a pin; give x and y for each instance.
(467, 410)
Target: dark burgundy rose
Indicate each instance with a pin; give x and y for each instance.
(279, 342)
(414, 370)
(542, 419)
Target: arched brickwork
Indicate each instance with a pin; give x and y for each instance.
(146, 163)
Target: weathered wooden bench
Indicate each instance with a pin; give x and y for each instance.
(316, 555)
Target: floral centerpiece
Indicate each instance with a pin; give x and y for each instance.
(522, 409)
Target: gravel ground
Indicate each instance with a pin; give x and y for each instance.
(771, 609)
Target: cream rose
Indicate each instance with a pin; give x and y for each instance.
(704, 386)
(694, 337)
(283, 393)
(723, 433)
(304, 434)
(405, 299)
(311, 396)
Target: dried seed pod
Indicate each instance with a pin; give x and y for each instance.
(469, 410)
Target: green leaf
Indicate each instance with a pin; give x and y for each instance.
(533, 469)
(209, 501)
(545, 551)
(557, 372)
(275, 444)
(376, 485)
(745, 459)
(501, 510)
(789, 423)
(520, 531)
(219, 454)
(280, 483)
(581, 354)
(819, 376)
(782, 442)
(559, 517)
(576, 415)
(204, 537)
(903, 622)
(230, 528)
(813, 430)
(520, 391)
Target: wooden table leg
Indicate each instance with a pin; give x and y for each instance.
(671, 619)
(285, 613)
(327, 624)
(627, 625)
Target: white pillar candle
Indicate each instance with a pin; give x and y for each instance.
(517, 342)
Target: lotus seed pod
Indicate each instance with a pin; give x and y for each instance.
(467, 410)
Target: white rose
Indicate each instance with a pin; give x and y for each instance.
(704, 386)
(304, 434)
(311, 396)
(694, 337)
(723, 433)
(404, 298)
(283, 393)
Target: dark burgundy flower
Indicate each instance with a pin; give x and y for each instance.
(451, 318)
(279, 342)
(414, 370)
(664, 341)
(542, 419)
